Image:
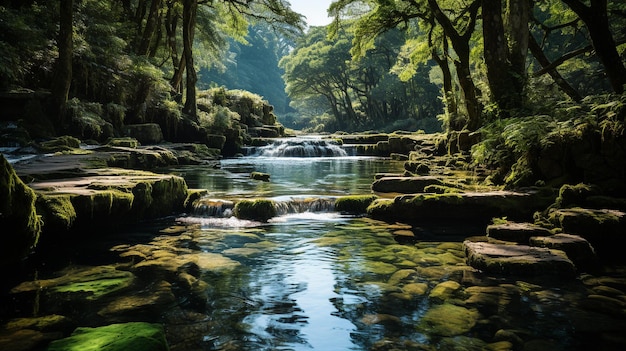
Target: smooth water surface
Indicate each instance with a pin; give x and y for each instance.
(290, 176)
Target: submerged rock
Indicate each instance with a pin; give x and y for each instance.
(87, 283)
(137, 336)
(448, 320)
(518, 259)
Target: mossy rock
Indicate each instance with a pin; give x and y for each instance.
(57, 211)
(123, 142)
(448, 320)
(404, 185)
(20, 223)
(355, 204)
(258, 209)
(473, 207)
(575, 195)
(137, 336)
(264, 177)
(62, 143)
(417, 167)
(602, 228)
(90, 283)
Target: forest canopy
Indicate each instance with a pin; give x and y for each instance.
(488, 67)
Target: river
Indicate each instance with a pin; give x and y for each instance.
(307, 279)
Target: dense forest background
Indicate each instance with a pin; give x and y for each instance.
(514, 77)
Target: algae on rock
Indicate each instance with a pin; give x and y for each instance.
(136, 336)
(20, 223)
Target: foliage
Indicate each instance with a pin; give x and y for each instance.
(513, 145)
(326, 85)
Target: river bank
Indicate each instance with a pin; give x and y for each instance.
(405, 253)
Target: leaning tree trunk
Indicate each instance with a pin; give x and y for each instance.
(189, 19)
(597, 22)
(62, 78)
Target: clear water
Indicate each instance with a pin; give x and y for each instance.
(309, 281)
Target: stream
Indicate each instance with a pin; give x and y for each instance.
(309, 279)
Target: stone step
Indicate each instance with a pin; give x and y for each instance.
(511, 259)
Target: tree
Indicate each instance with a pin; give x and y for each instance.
(62, 79)
(596, 19)
(505, 50)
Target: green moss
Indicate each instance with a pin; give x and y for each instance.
(355, 204)
(20, 223)
(95, 284)
(123, 142)
(259, 209)
(62, 143)
(417, 167)
(57, 211)
(575, 195)
(137, 336)
(448, 320)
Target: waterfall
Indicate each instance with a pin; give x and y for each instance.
(301, 147)
(206, 207)
(301, 205)
(217, 208)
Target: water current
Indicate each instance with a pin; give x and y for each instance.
(306, 280)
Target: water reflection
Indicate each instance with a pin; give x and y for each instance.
(290, 176)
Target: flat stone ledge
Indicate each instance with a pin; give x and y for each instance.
(517, 259)
(516, 232)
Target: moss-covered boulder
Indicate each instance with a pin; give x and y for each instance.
(137, 336)
(355, 204)
(258, 209)
(517, 259)
(19, 220)
(59, 144)
(404, 185)
(472, 207)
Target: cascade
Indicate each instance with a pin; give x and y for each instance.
(207, 207)
(301, 147)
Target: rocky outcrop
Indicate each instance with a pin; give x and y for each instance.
(108, 196)
(19, 221)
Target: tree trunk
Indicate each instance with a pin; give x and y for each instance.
(496, 58)
(597, 22)
(150, 28)
(517, 34)
(62, 78)
(460, 44)
(189, 19)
